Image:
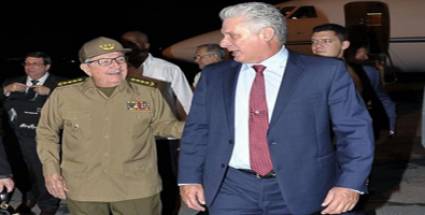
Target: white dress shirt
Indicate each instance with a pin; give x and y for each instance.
(196, 79)
(29, 83)
(40, 80)
(275, 67)
(163, 70)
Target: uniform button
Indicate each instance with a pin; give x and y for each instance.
(106, 136)
(274, 143)
(223, 165)
(106, 154)
(230, 142)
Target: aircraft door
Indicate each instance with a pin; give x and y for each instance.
(368, 24)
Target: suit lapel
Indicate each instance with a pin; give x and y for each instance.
(50, 81)
(290, 78)
(229, 93)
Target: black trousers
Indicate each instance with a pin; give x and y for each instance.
(37, 192)
(167, 151)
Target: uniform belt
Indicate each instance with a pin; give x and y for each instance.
(271, 174)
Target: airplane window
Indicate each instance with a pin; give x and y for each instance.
(304, 12)
(286, 10)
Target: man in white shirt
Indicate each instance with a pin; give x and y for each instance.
(161, 69)
(258, 136)
(142, 64)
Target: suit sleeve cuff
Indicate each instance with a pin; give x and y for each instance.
(358, 191)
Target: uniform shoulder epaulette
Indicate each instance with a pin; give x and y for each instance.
(142, 82)
(70, 82)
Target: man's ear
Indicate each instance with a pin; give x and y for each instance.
(345, 44)
(147, 46)
(267, 33)
(85, 68)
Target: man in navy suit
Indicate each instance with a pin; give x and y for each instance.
(306, 98)
(24, 97)
(331, 40)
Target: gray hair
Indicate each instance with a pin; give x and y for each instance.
(213, 48)
(260, 15)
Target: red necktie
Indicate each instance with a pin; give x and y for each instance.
(258, 125)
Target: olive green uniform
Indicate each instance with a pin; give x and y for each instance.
(108, 145)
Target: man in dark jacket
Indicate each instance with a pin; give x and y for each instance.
(24, 97)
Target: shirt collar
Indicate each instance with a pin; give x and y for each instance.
(147, 60)
(40, 80)
(89, 85)
(275, 63)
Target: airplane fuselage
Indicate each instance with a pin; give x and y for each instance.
(395, 25)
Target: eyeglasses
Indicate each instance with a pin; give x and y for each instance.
(197, 57)
(33, 64)
(322, 42)
(108, 61)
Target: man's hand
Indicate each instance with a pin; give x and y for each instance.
(15, 87)
(56, 186)
(340, 200)
(41, 90)
(193, 196)
(6, 183)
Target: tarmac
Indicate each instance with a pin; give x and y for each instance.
(397, 181)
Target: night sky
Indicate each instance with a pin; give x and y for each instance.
(61, 28)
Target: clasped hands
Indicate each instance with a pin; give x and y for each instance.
(20, 87)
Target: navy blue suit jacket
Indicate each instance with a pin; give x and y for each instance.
(316, 96)
(387, 102)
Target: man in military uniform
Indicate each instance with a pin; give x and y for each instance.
(107, 160)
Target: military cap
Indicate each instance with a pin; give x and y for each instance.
(99, 46)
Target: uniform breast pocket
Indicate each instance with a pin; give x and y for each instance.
(76, 125)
